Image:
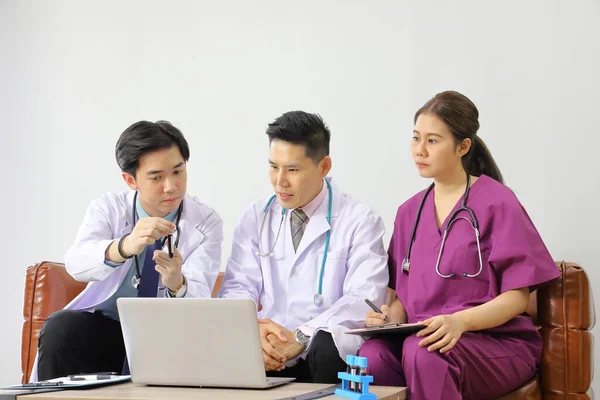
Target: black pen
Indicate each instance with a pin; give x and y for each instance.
(374, 307)
(170, 245)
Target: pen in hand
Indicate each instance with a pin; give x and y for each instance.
(170, 245)
(374, 307)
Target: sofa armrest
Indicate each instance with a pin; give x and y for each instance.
(566, 315)
(48, 288)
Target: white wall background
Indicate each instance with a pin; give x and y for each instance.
(74, 75)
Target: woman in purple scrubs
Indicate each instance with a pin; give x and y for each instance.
(478, 343)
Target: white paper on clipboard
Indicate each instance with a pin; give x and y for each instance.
(91, 380)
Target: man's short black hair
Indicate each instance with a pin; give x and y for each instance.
(299, 127)
(144, 137)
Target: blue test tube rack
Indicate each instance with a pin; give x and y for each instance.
(361, 381)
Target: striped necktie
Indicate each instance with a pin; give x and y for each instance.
(298, 219)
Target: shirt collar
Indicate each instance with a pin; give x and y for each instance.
(314, 204)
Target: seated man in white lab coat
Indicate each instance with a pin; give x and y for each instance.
(277, 258)
(120, 249)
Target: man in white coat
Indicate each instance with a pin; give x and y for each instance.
(122, 250)
(306, 300)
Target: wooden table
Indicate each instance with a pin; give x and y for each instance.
(132, 391)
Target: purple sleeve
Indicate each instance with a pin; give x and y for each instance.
(397, 249)
(393, 258)
(518, 254)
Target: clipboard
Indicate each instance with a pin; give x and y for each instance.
(394, 328)
(87, 381)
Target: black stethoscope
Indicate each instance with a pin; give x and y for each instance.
(135, 280)
(453, 218)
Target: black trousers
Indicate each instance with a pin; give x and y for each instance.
(322, 362)
(73, 342)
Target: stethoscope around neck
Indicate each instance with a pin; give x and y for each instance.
(135, 280)
(318, 297)
(453, 218)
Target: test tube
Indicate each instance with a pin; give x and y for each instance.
(362, 371)
(354, 371)
(349, 363)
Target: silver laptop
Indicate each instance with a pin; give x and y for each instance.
(194, 342)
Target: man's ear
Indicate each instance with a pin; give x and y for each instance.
(129, 180)
(325, 166)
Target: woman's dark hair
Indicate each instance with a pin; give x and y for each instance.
(144, 137)
(462, 119)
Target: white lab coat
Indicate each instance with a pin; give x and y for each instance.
(286, 282)
(108, 218)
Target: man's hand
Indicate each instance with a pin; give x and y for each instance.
(169, 268)
(284, 339)
(290, 349)
(146, 232)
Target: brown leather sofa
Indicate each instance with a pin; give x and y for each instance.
(563, 309)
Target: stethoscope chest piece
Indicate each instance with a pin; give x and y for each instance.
(405, 265)
(135, 281)
(318, 299)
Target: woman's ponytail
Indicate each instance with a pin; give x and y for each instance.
(479, 161)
